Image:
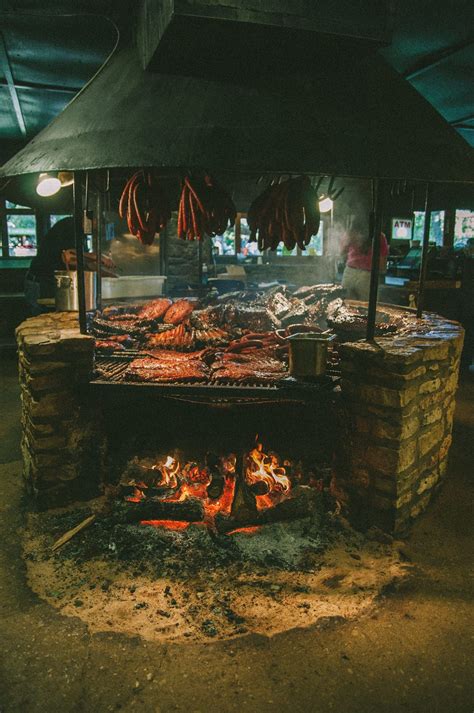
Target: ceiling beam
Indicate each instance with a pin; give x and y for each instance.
(435, 59)
(462, 120)
(42, 87)
(7, 71)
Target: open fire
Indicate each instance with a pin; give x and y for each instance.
(225, 488)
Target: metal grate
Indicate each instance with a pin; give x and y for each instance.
(112, 371)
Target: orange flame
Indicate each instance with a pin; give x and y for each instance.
(169, 471)
(265, 468)
(136, 496)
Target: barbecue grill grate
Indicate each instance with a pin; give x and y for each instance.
(111, 371)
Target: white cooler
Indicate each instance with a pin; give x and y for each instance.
(132, 286)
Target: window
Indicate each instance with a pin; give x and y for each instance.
(55, 218)
(236, 242)
(225, 244)
(436, 226)
(19, 232)
(463, 227)
(247, 248)
(315, 245)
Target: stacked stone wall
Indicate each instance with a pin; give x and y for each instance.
(399, 395)
(61, 440)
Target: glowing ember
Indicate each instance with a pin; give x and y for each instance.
(167, 524)
(251, 530)
(263, 471)
(214, 484)
(136, 496)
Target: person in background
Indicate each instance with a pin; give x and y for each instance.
(356, 248)
(39, 280)
(467, 304)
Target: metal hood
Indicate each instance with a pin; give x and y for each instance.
(348, 114)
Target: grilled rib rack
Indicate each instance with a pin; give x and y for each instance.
(111, 373)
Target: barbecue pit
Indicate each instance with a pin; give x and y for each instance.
(378, 435)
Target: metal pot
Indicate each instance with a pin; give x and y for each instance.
(308, 353)
(67, 298)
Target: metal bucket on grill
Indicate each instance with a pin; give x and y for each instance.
(308, 353)
(67, 298)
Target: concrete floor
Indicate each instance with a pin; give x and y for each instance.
(413, 654)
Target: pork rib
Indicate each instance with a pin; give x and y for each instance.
(162, 369)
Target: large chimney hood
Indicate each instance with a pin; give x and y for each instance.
(347, 114)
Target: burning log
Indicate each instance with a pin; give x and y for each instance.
(190, 510)
(216, 486)
(301, 504)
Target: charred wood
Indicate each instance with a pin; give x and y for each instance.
(302, 504)
(190, 510)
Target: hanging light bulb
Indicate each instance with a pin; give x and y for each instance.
(325, 205)
(47, 185)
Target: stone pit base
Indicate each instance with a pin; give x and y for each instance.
(60, 446)
(397, 394)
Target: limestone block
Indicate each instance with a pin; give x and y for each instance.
(430, 439)
(403, 499)
(50, 405)
(405, 428)
(427, 387)
(39, 345)
(432, 416)
(50, 443)
(386, 485)
(380, 502)
(52, 381)
(421, 505)
(40, 366)
(380, 395)
(444, 448)
(451, 384)
(435, 350)
(391, 461)
(428, 482)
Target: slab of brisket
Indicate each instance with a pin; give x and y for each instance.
(155, 310)
(178, 312)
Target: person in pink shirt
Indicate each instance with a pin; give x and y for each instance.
(357, 249)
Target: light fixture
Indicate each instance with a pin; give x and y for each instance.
(49, 185)
(325, 205)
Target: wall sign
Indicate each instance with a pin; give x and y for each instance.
(401, 228)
